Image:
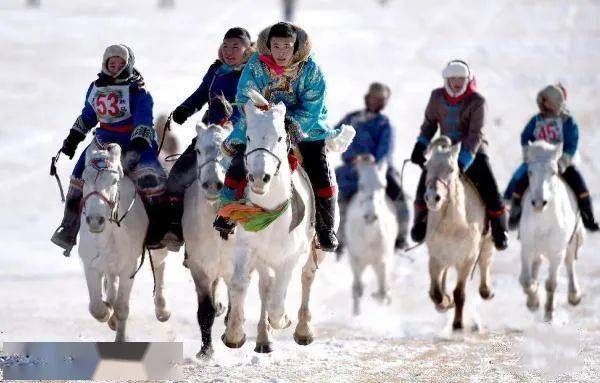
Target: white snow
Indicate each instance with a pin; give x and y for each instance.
(51, 54)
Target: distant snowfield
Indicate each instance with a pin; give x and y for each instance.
(50, 55)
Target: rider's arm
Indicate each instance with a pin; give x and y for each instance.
(87, 120)
(142, 117)
(430, 124)
(384, 141)
(470, 144)
(570, 136)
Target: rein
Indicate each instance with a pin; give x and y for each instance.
(54, 173)
(166, 128)
(269, 152)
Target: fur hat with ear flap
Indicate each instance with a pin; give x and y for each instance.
(456, 68)
(124, 52)
(556, 95)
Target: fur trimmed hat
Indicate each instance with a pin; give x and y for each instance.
(302, 40)
(456, 68)
(379, 89)
(556, 95)
(124, 52)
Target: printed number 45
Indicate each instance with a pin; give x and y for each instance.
(113, 104)
(548, 132)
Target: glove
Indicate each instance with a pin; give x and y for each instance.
(134, 154)
(564, 162)
(418, 154)
(70, 143)
(340, 142)
(180, 114)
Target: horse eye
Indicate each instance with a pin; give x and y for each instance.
(114, 182)
(248, 138)
(279, 139)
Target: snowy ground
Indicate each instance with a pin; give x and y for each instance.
(50, 55)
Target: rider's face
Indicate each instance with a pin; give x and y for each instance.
(456, 83)
(233, 51)
(115, 64)
(282, 50)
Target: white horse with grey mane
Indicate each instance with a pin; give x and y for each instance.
(112, 238)
(210, 259)
(275, 250)
(370, 228)
(456, 230)
(550, 227)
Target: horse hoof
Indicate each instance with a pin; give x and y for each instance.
(486, 293)
(233, 344)
(281, 324)
(457, 326)
(163, 315)
(112, 322)
(303, 340)
(548, 316)
(206, 352)
(574, 299)
(533, 304)
(263, 348)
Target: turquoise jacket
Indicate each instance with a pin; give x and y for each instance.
(302, 91)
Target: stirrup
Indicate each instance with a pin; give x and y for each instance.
(62, 244)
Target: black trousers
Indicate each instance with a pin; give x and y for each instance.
(571, 176)
(480, 174)
(182, 173)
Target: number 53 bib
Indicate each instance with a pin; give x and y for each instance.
(111, 103)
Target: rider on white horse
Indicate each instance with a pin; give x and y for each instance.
(374, 135)
(553, 124)
(458, 110)
(283, 70)
(123, 107)
(221, 79)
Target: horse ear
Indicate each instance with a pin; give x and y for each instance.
(382, 167)
(279, 109)
(200, 127)
(114, 151)
(455, 150)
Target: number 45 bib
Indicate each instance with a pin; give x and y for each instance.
(111, 103)
(549, 129)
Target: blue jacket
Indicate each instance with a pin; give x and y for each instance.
(220, 79)
(119, 108)
(554, 130)
(302, 92)
(373, 135)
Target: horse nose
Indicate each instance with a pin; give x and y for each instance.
(544, 202)
(205, 185)
(95, 223)
(370, 217)
(266, 178)
(251, 177)
(219, 185)
(437, 198)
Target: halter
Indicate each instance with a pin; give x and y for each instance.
(102, 165)
(269, 152)
(216, 159)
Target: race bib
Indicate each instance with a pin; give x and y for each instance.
(549, 129)
(111, 103)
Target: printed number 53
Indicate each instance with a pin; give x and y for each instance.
(113, 104)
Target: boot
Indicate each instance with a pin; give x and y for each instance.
(173, 238)
(224, 226)
(515, 213)
(499, 230)
(156, 223)
(325, 222)
(587, 213)
(419, 229)
(65, 235)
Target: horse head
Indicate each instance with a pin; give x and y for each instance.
(209, 158)
(103, 171)
(542, 169)
(371, 185)
(267, 146)
(442, 171)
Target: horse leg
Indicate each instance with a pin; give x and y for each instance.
(574, 290)
(357, 285)
(383, 293)
(234, 336)
(304, 334)
(98, 308)
(551, 283)
(485, 263)
(276, 304)
(263, 335)
(206, 311)
(122, 305)
(218, 297)
(459, 292)
(437, 293)
(526, 278)
(160, 304)
(111, 284)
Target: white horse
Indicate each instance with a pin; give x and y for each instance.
(370, 228)
(550, 227)
(209, 257)
(275, 250)
(456, 235)
(111, 240)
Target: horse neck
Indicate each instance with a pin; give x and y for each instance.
(279, 191)
(454, 209)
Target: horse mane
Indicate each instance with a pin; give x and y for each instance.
(541, 151)
(441, 142)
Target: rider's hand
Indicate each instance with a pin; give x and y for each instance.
(134, 154)
(180, 114)
(418, 154)
(70, 143)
